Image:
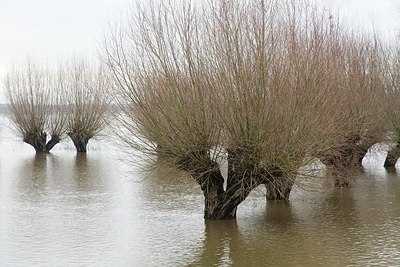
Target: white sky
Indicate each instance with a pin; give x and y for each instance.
(55, 29)
(383, 15)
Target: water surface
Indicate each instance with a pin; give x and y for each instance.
(65, 209)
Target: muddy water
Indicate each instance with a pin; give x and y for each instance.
(69, 210)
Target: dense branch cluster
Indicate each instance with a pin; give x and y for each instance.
(267, 85)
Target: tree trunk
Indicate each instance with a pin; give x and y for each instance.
(220, 204)
(80, 142)
(215, 207)
(339, 167)
(341, 175)
(392, 156)
(279, 190)
(38, 142)
(55, 139)
(346, 158)
(241, 180)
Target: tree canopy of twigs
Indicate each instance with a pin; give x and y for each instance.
(261, 84)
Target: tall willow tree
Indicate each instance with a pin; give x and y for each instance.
(243, 81)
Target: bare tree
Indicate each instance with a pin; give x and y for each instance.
(392, 101)
(35, 100)
(84, 88)
(360, 90)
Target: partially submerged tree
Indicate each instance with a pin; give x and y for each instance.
(360, 98)
(84, 88)
(237, 80)
(392, 101)
(35, 100)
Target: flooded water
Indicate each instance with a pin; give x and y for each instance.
(65, 209)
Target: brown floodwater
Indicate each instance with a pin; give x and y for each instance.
(65, 209)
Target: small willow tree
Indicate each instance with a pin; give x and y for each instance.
(35, 102)
(392, 101)
(237, 80)
(84, 89)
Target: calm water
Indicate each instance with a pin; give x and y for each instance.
(68, 210)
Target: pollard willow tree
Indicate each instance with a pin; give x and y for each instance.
(237, 80)
(84, 88)
(35, 103)
(392, 101)
(359, 77)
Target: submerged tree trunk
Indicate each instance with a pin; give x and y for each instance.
(38, 142)
(338, 168)
(215, 207)
(55, 139)
(392, 156)
(343, 161)
(341, 175)
(80, 141)
(347, 159)
(279, 189)
(220, 204)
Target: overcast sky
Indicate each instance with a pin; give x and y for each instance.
(55, 29)
(384, 15)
